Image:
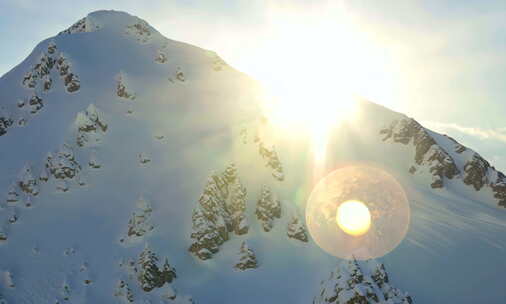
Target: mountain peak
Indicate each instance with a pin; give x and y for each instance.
(111, 20)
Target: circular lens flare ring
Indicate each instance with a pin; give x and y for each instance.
(353, 217)
(367, 234)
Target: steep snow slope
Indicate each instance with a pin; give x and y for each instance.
(132, 155)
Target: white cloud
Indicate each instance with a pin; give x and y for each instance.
(498, 134)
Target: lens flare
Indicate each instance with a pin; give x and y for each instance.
(353, 217)
(358, 212)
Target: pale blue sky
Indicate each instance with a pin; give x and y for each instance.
(448, 57)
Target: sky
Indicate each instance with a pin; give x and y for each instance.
(440, 62)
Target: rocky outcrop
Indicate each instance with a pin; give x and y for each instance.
(499, 189)
(365, 282)
(141, 31)
(220, 211)
(247, 259)
(268, 208)
(78, 27)
(81, 26)
(427, 152)
(476, 171)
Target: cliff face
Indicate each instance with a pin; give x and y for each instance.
(441, 159)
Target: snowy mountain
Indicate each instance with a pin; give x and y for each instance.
(139, 169)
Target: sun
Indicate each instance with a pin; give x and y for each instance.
(314, 70)
(354, 218)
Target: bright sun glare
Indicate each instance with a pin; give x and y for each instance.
(354, 218)
(316, 66)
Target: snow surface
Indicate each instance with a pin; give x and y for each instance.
(188, 117)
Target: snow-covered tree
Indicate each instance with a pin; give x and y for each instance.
(63, 165)
(35, 103)
(26, 182)
(28, 201)
(3, 234)
(273, 162)
(230, 173)
(140, 224)
(72, 82)
(168, 273)
(237, 207)
(2, 299)
(360, 282)
(66, 291)
(179, 75)
(121, 89)
(62, 65)
(43, 177)
(47, 83)
(169, 293)
(12, 195)
(93, 162)
(296, 229)
(13, 215)
(90, 126)
(268, 208)
(144, 158)
(149, 275)
(247, 258)
(221, 210)
(161, 57)
(205, 237)
(212, 203)
(62, 186)
(8, 279)
(5, 121)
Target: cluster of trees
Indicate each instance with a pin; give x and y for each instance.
(221, 210)
(365, 282)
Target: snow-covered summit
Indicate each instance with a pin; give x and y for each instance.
(110, 20)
